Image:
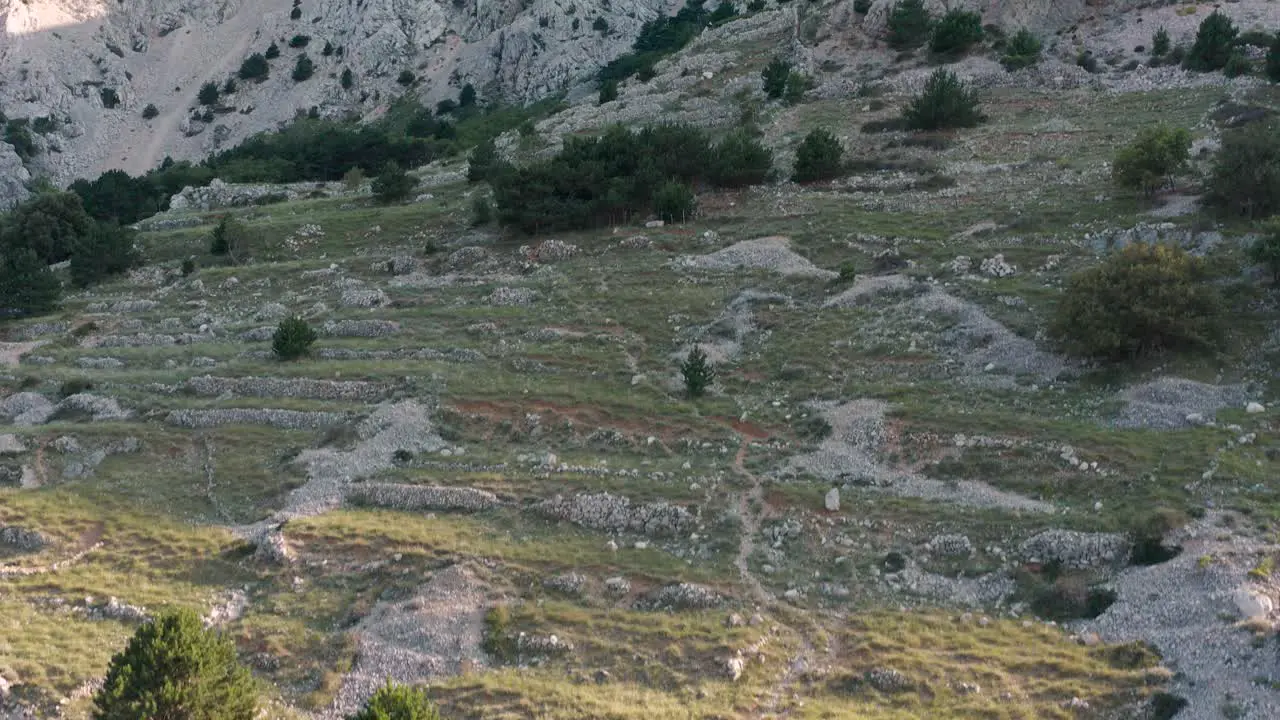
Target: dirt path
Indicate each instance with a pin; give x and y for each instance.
(750, 506)
(11, 353)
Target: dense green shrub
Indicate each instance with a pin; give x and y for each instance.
(117, 197)
(348, 79)
(1022, 50)
(110, 98)
(819, 157)
(303, 69)
(1089, 62)
(1245, 178)
(27, 287)
(230, 86)
(697, 372)
(406, 77)
(862, 7)
(393, 184)
(724, 12)
(945, 102)
(600, 25)
(908, 24)
(1160, 42)
(273, 51)
(175, 668)
(150, 111)
(17, 134)
(613, 177)
(675, 202)
(1149, 162)
(299, 41)
(467, 96)
(608, 91)
(1142, 299)
(295, 14)
(775, 76)
(955, 32)
(1237, 65)
(49, 224)
(292, 339)
(740, 160)
(1265, 251)
(1214, 42)
(398, 702)
(797, 85)
(482, 160)
(107, 250)
(208, 94)
(755, 6)
(1273, 60)
(481, 211)
(255, 67)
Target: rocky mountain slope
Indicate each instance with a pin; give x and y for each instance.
(58, 58)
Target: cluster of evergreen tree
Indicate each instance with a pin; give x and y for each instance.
(620, 174)
(50, 228)
(657, 39)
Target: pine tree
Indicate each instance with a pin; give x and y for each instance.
(208, 94)
(304, 69)
(398, 702)
(775, 76)
(819, 157)
(1214, 43)
(27, 287)
(1160, 43)
(393, 184)
(697, 373)
(946, 102)
(108, 250)
(174, 668)
(292, 339)
(909, 24)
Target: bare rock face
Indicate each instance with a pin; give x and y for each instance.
(13, 178)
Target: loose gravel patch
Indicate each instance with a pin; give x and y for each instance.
(770, 253)
(347, 390)
(284, 419)
(1170, 403)
(421, 497)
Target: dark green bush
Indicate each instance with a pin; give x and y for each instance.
(304, 68)
(393, 184)
(50, 224)
(1237, 65)
(1214, 43)
(27, 287)
(293, 339)
(299, 41)
(1160, 43)
(1245, 179)
(797, 85)
(295, 14)
(739, 160)
(110, 98)
(608, 92)
(945, 102)
(1256, 38)
(1087, 61)
(273, 51)
(481, 211)
(17, 134)
(150, 111)
(188, 267)
(1142, 299)
(909, 25)
(724, 12)
(819, 157)
(1152, 159)
(1265, 251)
(1273, 60)
(398, 702)
(107, 250)
(600, 25)
(348, 79)
(755, 6)
(208, 94)
(698, 374)
(467, 96)
(255, 67)
(1022, 50)
(775, 76)
(482, 160)
(862, 7)
(955, 32)
(675, 202)
(657, 39)
(174, 668)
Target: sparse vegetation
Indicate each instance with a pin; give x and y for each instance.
(293, 339)
(675, 202)
(1140, 300)
(231, 239)
(1265, 251)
